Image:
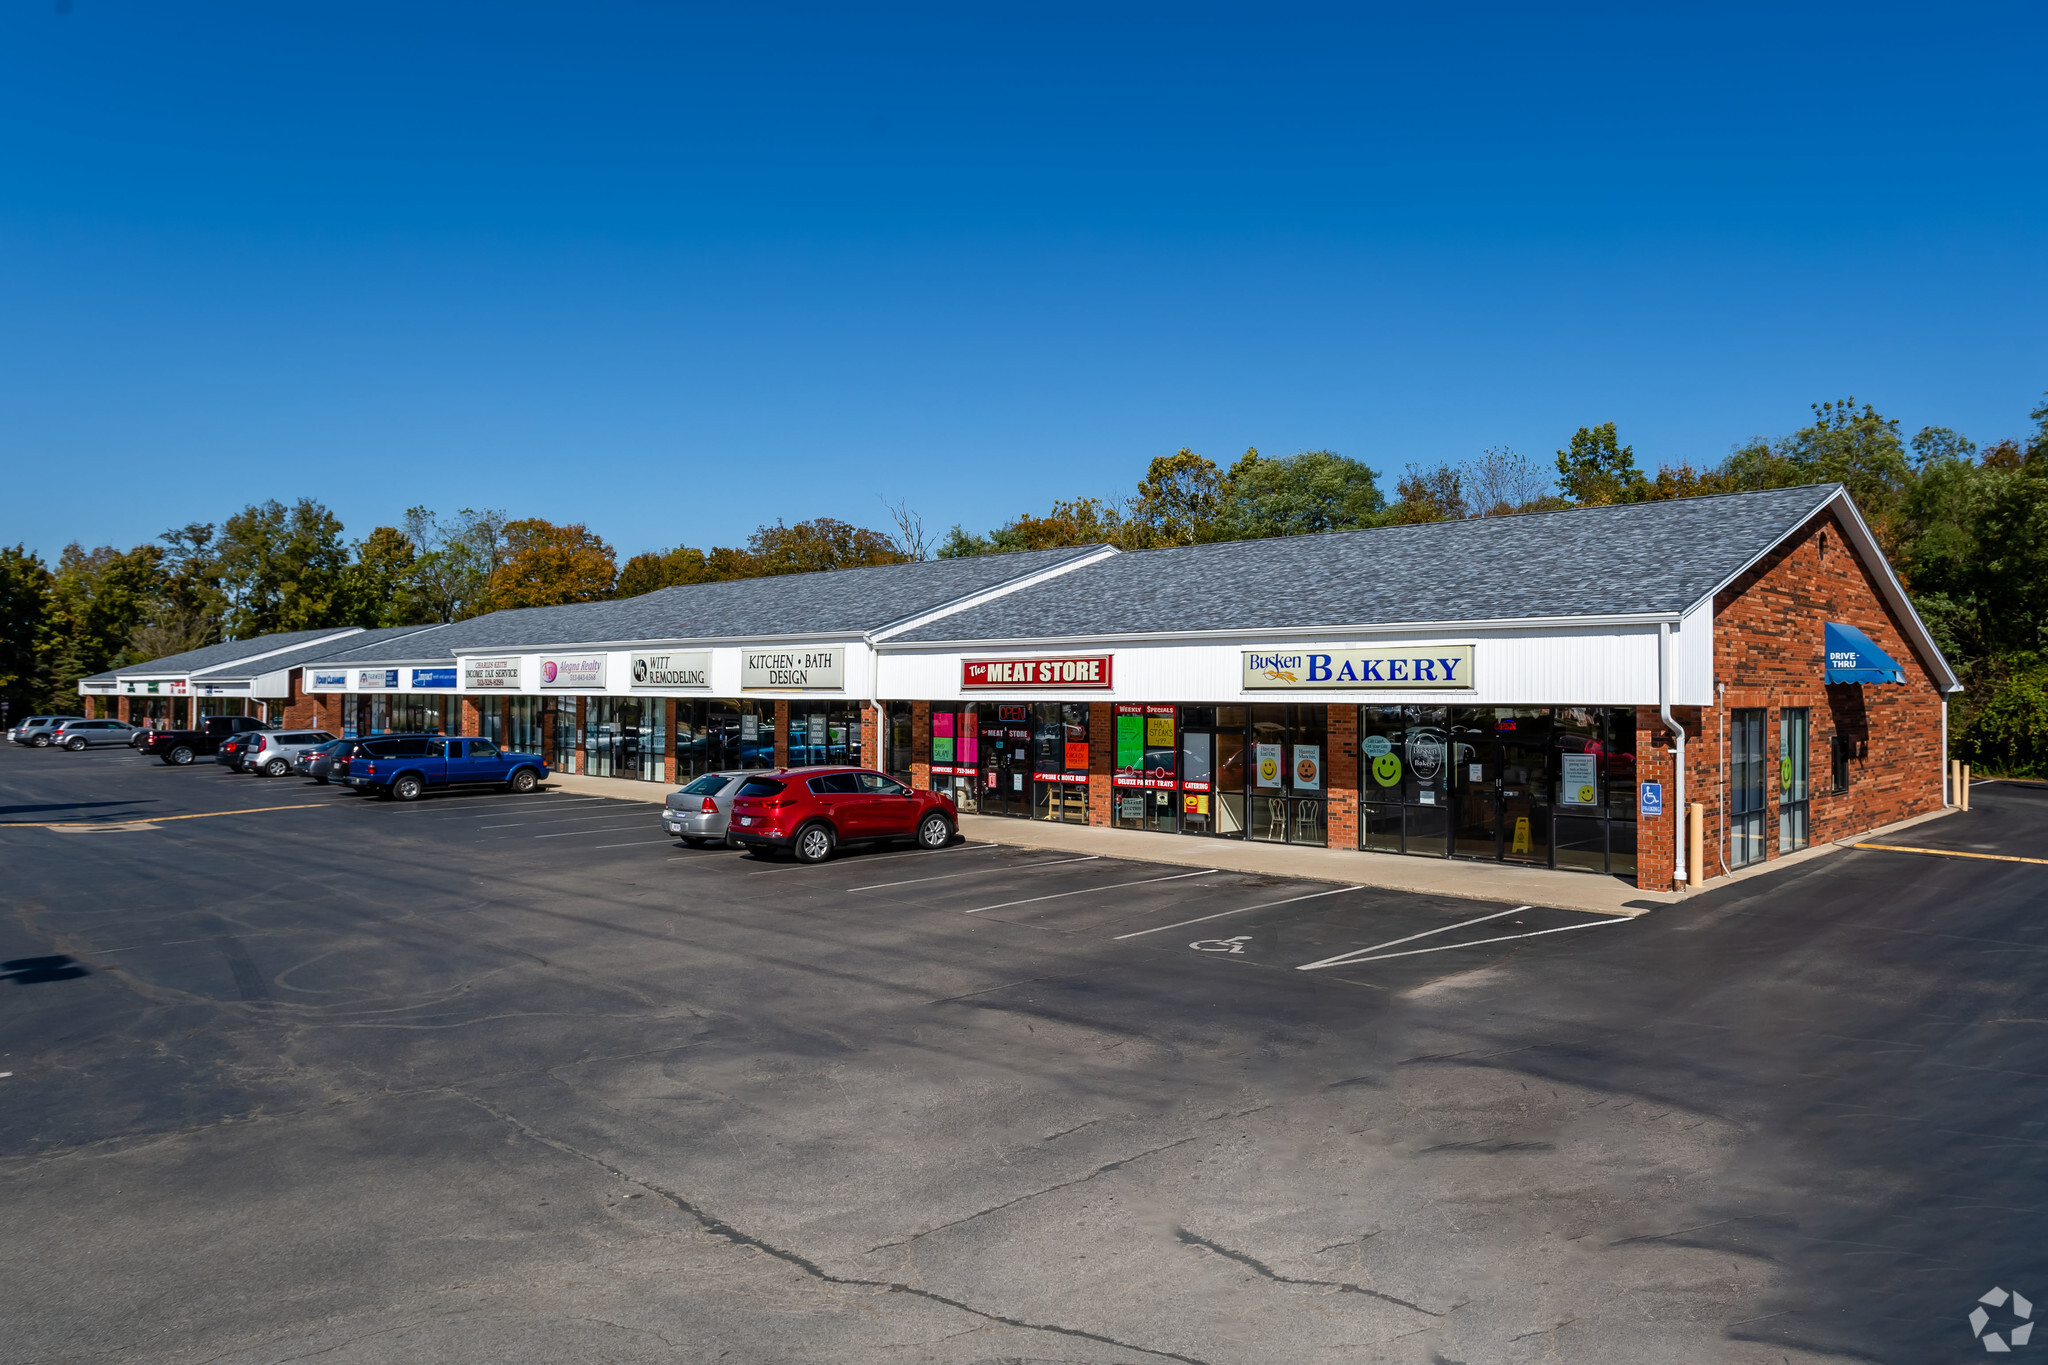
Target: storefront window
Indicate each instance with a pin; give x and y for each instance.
(955, 754)
(896, 743)
(490, 719)
(522, 724)
(1404, 757)
(1286, 792)
(625, 737)
(1144, 775)
(1792, 779)
(724, 736)
(1059, 762)
(564, 732)
(823, 732)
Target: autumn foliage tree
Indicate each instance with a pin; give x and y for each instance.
(546, 565)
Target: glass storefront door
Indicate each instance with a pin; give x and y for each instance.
(1005, 742)
(625, 737)
(1285, 795)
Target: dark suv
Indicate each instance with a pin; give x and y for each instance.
(812, 811)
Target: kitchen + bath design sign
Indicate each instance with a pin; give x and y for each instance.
(1403, 669)
(793, 669)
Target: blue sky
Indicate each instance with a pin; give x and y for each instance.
(676, 272)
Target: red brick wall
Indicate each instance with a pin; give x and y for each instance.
(782, 734)
(301, 710)
(1768, 650)
(872, 729)
(1101, 762)
(1340, 775)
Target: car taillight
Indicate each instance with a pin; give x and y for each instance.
(709, 807)
(370, 768)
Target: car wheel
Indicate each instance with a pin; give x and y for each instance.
(277, 767)
(407, 788)
(934, 832)
(321, 780)
(180, 756)
(40, 742)
(523, 781)
(75, 745)
(813, 844)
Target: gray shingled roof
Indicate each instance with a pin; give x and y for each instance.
(227, 652)
(1594, 561)
(318, 652)
(845, 602)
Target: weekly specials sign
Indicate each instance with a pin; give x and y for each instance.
(1091, 671)
(1419, 666)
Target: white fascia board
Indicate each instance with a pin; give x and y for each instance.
(834, 637)
(1530, 624)
(1000, 590)
(1872, 555)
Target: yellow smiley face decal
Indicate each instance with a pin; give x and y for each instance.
(1386, 770)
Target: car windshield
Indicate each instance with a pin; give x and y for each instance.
(711, 784)
(761, 786)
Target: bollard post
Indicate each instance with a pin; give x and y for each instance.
(1963, 785)
(1695, 842)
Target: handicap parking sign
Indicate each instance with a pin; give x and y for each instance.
(1653, 798)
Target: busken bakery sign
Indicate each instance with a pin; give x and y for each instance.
(672, 670)
(1415, 668)
(793, 670)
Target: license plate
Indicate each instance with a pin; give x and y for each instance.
(746, 819)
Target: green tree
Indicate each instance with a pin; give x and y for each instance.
(1317, 490)
(817, 545)
(453, 561)
(1180, 501)
(1431, 495)
(377, 587)
(1599, 470)
(659, 569)
(24, 614)
(98, 598)
(281, 568)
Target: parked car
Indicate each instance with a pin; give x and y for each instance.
(77, 735)
(35, 731)
(812, 811)
(229, 755)
(404, 767)
(318, 761)
(273, 753)
(698, 814)
(180, 747)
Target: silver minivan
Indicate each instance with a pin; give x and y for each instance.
(35, 731)
(77, 735)
(274, 753)
(700, 812)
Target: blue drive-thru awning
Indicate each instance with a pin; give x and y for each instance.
(1854, 657)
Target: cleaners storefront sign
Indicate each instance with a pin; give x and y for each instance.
(1091, 671)
(1416, 668)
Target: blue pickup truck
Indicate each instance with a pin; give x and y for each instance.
(403, 767)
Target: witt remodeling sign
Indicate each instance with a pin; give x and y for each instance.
(672, 670)
(793, 670)
(1417, 667)
(1090, 671)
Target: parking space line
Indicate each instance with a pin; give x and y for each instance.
(946, 877)
(1058, 895)
(875, 857)
(1952, 852)
(637, 843)
(150, 819)
(564, 820)
(572, 833)
(1397, 942)
(1349, 961)
(1242, 909)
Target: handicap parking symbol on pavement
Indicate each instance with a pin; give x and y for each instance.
(1221, 945)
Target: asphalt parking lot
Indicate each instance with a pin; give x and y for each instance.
(293, 1073)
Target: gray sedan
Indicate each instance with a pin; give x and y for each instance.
(698, 814)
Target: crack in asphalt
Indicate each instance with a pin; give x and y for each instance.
(718, 1227)
(1049, 1189)
(1194, 1239)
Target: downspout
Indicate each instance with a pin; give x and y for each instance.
(1721, 796)
(1946, 767)
(1680, 832)
(880, 759)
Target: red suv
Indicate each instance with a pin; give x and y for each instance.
(811, 811)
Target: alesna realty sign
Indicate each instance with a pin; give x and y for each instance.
(1089, 671)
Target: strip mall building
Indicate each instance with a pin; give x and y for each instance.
(1550, 689)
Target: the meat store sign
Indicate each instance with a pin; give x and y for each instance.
(1090, 671)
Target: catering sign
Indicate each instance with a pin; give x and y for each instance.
(1417, 667)
(1089, 671)
(490, 674)
(784, 670)
(672, 670)
(585, 671)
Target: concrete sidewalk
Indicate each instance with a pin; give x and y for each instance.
(1390, 871)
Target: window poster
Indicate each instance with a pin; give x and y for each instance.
(1195, 803)
(1268, 757)
(1581, 786)
(750, 729)
(968, 747)
(817, 727)
(942, 736)
(1159, 732)
(1130, 745)
(1077, 756)
(1308, 767)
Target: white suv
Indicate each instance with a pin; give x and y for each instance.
(273, 753)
